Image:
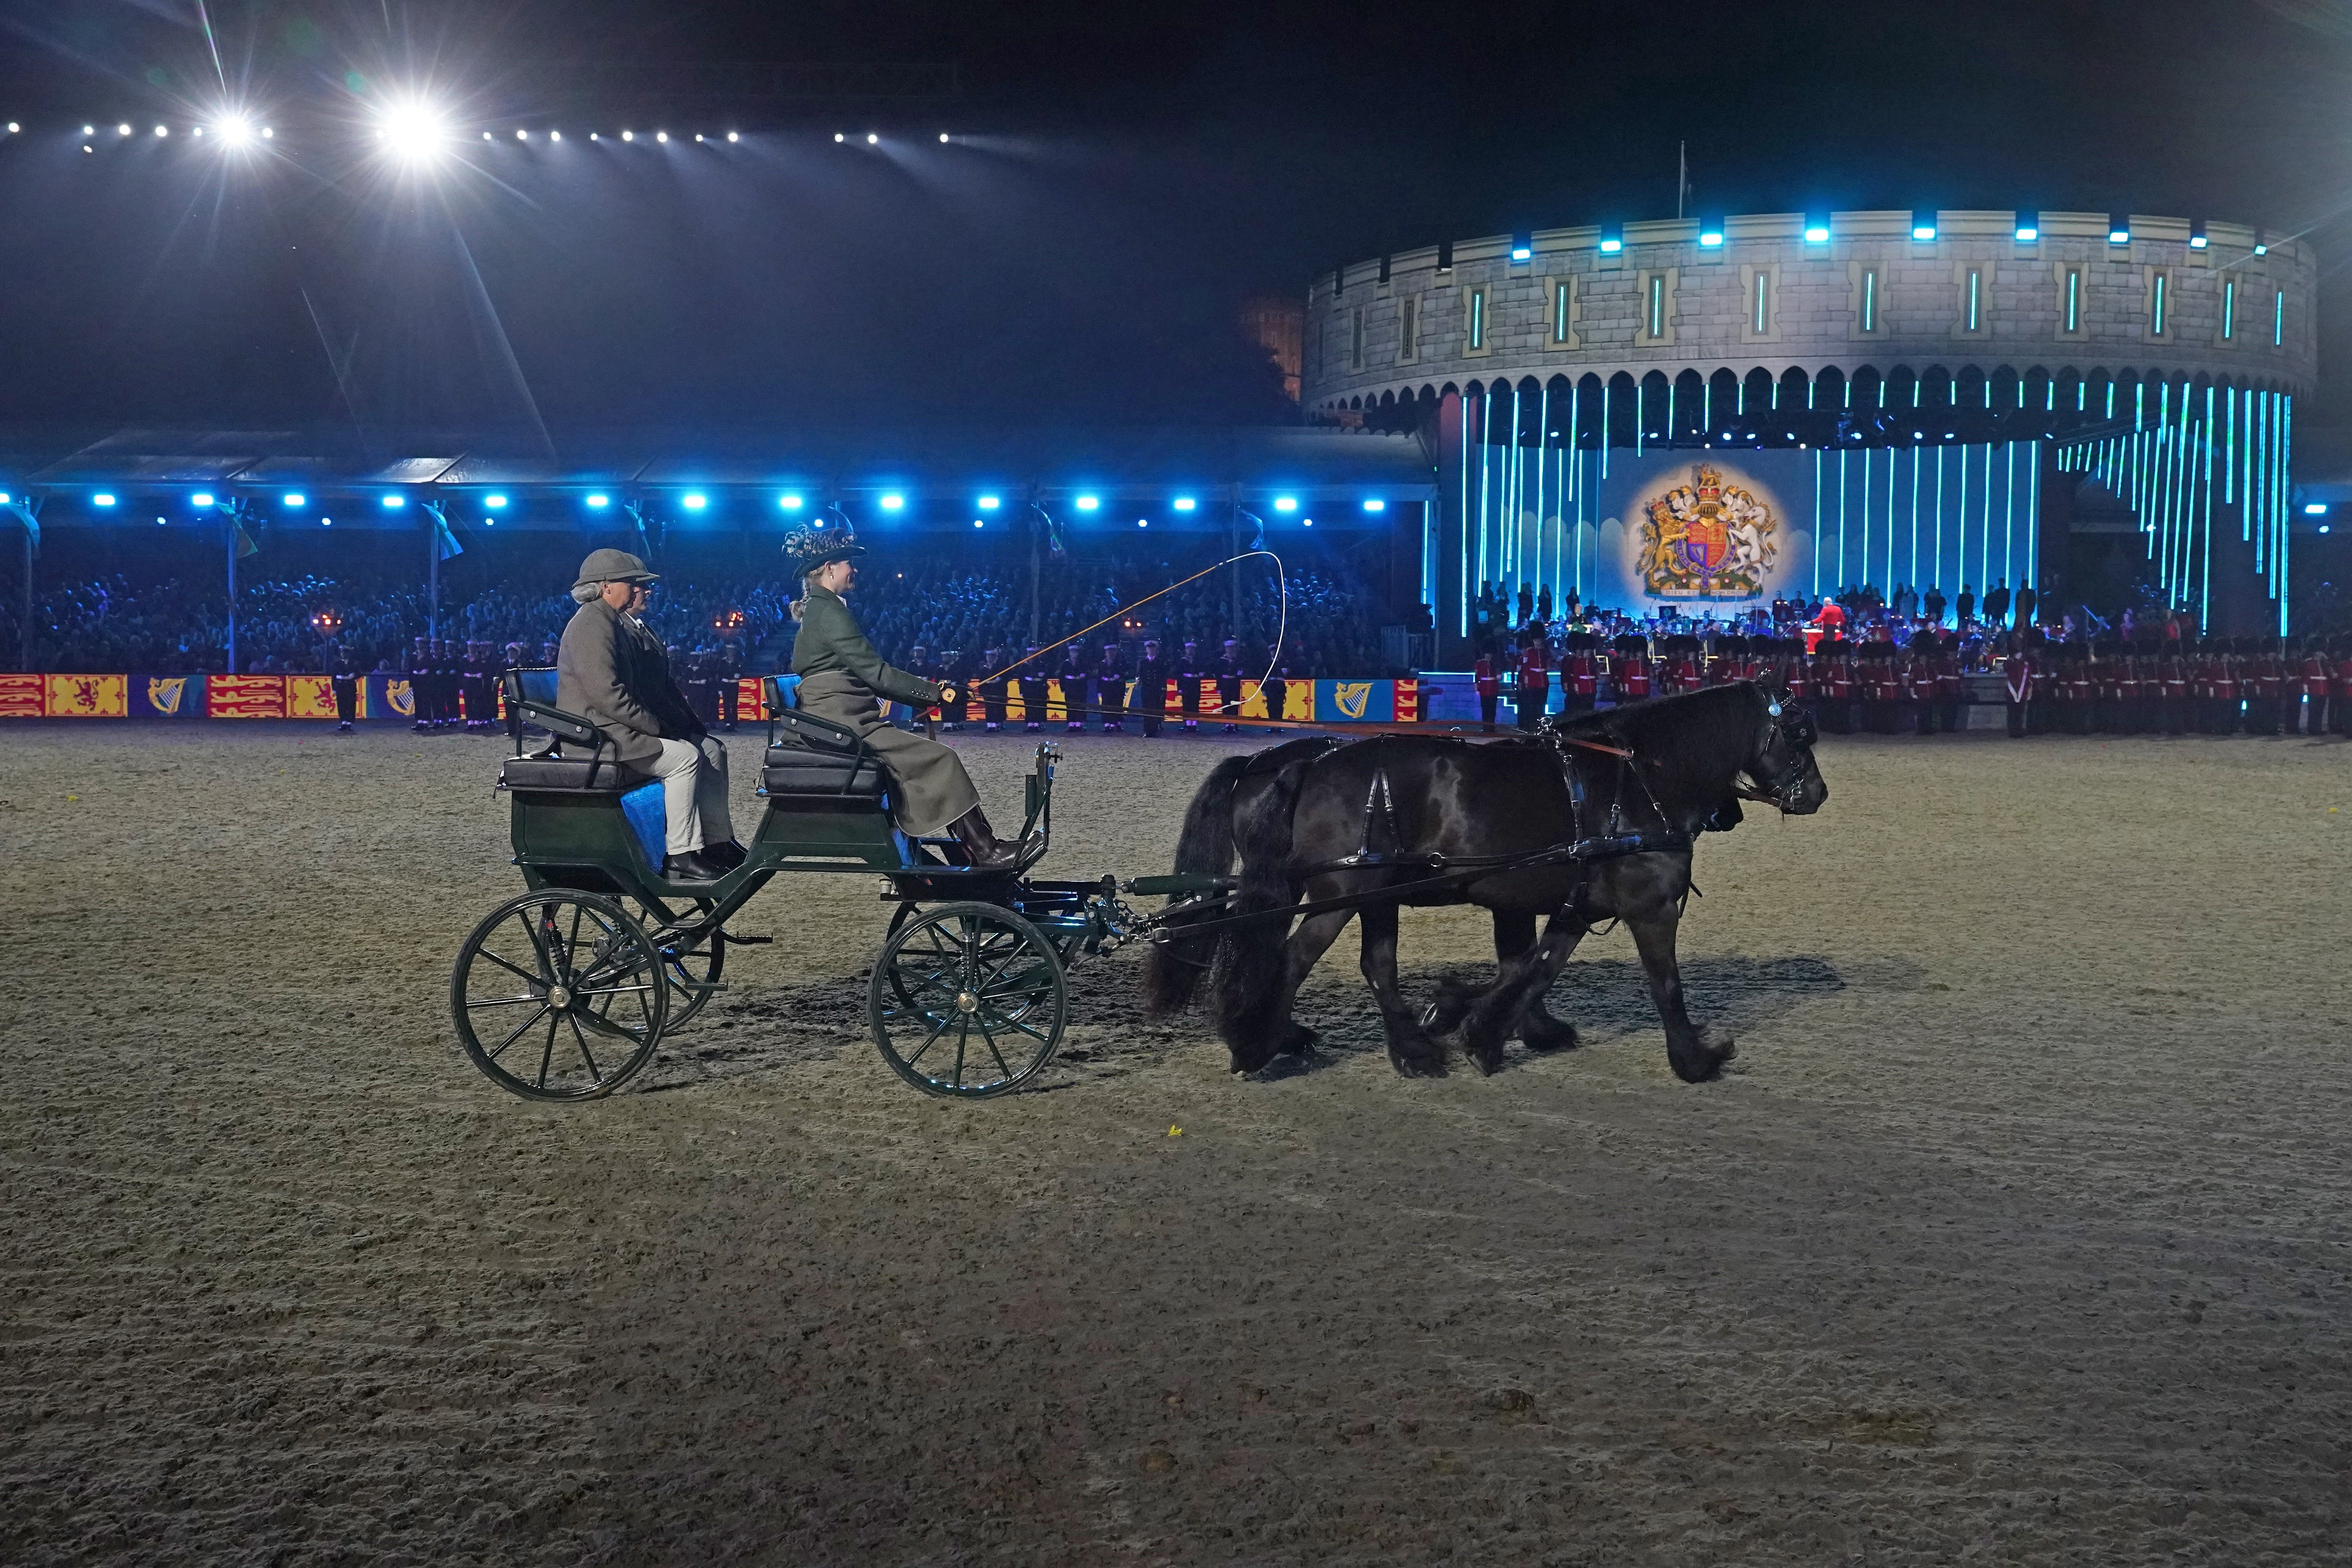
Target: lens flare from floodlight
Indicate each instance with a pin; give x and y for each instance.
(1088, 503)
(413, 130)
(599, 501)
(267, 133)
(1184, 503)
(486, 136)
(494, 502)
(295, 500)
(990, 503)
(694, 500)
(103, 497)
(1286, 503)
(200, 501)
(234, 130)
(790, 500)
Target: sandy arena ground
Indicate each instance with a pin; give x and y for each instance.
(2018, 1233)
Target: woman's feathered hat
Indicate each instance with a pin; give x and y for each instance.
(819, 544)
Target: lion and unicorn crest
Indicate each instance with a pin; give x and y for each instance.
(1706, 540)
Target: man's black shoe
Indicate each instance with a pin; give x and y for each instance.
(725, 855)
(692, 867)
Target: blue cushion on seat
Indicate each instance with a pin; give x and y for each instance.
(649, 818)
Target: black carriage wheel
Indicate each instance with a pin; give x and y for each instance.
(559, 994)
(691, 966)
(967, 1000)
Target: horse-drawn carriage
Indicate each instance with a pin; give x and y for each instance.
(565, 991)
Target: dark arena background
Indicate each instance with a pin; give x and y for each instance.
(1940, 407)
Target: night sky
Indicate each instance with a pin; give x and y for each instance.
(1122, 177)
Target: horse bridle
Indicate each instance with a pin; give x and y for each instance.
(1798, 734)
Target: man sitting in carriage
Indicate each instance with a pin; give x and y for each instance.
(613, 670)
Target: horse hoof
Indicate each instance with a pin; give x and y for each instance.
(1298, 1042)
(1551, 1035)
(1489, 1059)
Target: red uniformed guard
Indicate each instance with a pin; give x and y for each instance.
(2017, 678)
(1489, 687)
(2173, 666)
(1532, 694)
(1631, 669)
(2312, 671)
(1579, 674)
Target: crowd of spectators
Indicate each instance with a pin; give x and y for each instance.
(941, 605)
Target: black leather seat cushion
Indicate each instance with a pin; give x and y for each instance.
(799, 771)
(570, 775)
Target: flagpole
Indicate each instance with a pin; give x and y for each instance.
(431, 576)
(231, 533)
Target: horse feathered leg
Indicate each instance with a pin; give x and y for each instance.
(1265, 1030)
(1537, 1026)
(1695, 1054)
(1411, 1051)
(1515, 932)
(1519, 980)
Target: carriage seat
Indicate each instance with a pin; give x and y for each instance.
(795, 772)
(570, 775)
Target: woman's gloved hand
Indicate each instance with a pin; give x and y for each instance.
(950, 696)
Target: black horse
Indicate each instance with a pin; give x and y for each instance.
(1422, 816)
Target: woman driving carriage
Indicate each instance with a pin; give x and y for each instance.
(843, 680)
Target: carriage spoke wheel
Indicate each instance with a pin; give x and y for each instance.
(690, 965)
(559, 994)
(967, 1000)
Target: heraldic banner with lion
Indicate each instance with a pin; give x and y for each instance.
(1699, 532)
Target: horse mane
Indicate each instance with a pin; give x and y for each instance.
(1691, 746)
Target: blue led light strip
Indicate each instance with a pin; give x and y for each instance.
(1843, 581)
(2205, 594)
(2009, 517)
(1865, 516)
(1915, 517)
(2033, 521)
(1817, 525)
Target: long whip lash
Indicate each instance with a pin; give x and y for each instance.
(1282, 629)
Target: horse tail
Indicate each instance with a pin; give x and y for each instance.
(1248, 967)
(1173, 968)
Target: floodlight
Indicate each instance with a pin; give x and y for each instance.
(197, 131)
(1143, 523)
(236, 131)
(1088, 503)
(599, 501)
(871, 140)
(894, 501)
(266, 133)
(1613, 240)
(837, 136)
(494, 502)
(2028, 227)
(2197, 237)
(411, 130)
(102, 498)
(1184, 503)
(1710, 232)
(943, 136)
(698, 136)
(734, 136)
(790, 500)
(696, 500)
(90, 129)
(990, 503)
(2262, 243)
(2315, 509)
(394, 502)
(1286, 503)
(2323, 528)
(977, 524)
(296, 499)
(1923, 225)
(14, 127)
(486, 136)
(661, 136)
(162, 130)
(326, 522)
(628, 135)
(123, 130)
(1308, 522)
(201, 499)
(522, 135)
(2119, 228)
(555, 136)
(1522, 246)
(1374, 503)
(1817, 228)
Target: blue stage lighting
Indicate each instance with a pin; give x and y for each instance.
(1710, 231)
(2315, 509)
(1817, 228)
(200, 501)
(1522, 246)
(1088, 503)
(6, 498)
(1374, 503)
(1308, 522)
(2119, 228)
(102, 498)
(1612, 238)
(694, 500)
(2028, 227)
(790, 501)
(326, 522)
(894, 501)
(990, 503)
(296, 499)
(496, 503)
(734, 136)
(1286, 503)
(1185, 504)
(1923, 225)
(1143, 523)
(2323, 528)
(599, 501)
(2198, 240)
(977, 524)
(394, 502)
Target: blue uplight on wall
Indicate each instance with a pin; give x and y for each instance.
(1923, 225)
(1612, 238)
(1817, 228)
(1710, 232)
(2028, 227)
(1522, 246)
(2118, 229)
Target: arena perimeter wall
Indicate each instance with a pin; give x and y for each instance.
(388, 698)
